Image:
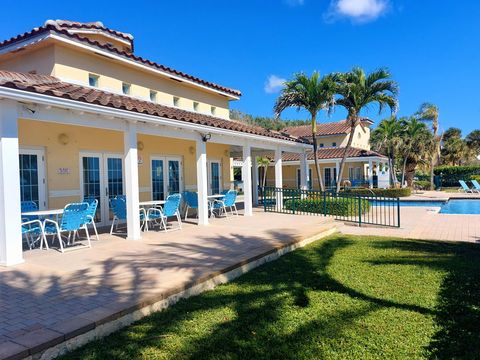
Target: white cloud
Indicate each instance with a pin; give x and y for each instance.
(274, 84)
(294, 2)
(357, 10)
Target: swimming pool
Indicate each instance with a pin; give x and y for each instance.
(452, 206)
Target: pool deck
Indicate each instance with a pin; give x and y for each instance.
(426, 223)
(439, 196)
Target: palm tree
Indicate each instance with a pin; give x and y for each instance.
(473, 141)
(429, 112)
(387, 137)
(357, 91)
(312, 94)
(263, 162)
(416, 145)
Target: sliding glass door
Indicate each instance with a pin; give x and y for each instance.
(166, 176)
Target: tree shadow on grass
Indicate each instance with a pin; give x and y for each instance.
(254, 324)
(457, 313)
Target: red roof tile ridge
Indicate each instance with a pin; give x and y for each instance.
(52, 86)
(59, 30)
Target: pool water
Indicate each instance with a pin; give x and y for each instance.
(449, 207)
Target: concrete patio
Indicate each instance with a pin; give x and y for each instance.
(54, 297)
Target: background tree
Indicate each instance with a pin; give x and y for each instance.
(264, 163)
(455, 150)
(416, 147)
(358, 91)
(429, 112)
(386, 138)
(312, 94)
(473, 141)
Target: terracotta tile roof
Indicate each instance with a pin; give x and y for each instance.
(62, 31)
(52, 86)
(323, 129)
(333, 153)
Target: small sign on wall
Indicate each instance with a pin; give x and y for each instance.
(63, 171)
(140, 160)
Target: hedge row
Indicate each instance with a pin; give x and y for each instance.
(452, 174)
(394, 193)
(337, 206)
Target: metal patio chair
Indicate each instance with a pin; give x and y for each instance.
(170, 208)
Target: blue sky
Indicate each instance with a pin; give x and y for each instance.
(431, 47)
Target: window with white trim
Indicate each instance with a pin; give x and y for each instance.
(153, 96)
(213, 110)
(93, 80)
(176, 101)
(195, 106)
(126, 88)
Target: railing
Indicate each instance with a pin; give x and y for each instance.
(359, 209)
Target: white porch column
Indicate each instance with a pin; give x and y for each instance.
(202, 187)
(10, 211)
(370, 174)
(247, 179)
(131, 182)
(255, 181)
(279, 177)
(304, 173)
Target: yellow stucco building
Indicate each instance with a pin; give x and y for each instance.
(81, 115)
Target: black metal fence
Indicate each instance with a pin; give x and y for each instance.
(360, 209)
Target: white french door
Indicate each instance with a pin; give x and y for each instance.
(166, 176)
(330, 177)
(32, 176)
(214, 177)
(102, 178)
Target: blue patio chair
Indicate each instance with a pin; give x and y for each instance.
(74, 218)
(27, 206)
(34, 228)
(476, 185)
(228, 201)
(92, 210)
(119, 207)
(191, 201)
(465, 188)
(170, 208)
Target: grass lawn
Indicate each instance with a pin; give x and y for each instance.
(340, 297)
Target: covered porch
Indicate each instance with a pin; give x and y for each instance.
(56, 151)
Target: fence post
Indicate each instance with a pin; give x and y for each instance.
(263, 200)
(359, 211)
(293, 200)
(398, 211)
(324, 203)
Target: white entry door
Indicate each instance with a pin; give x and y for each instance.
(166, 176)
(214, 177)
(32, 176)
(101, 177)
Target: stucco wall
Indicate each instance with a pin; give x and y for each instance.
(44, 135)
(72, 65)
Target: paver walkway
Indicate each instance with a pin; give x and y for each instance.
(422, 223)
(52, 293)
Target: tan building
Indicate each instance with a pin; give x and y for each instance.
(81, 115)
(363, 167)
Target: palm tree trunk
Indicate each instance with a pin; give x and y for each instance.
(317, 165)
(403, 171)
(265, 168)
(315, 156)
(392, 167)
(349, 145)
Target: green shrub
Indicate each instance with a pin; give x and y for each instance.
(422, 184)
(338, 206)
(452, 174)
(475, 177)
(394, 193)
